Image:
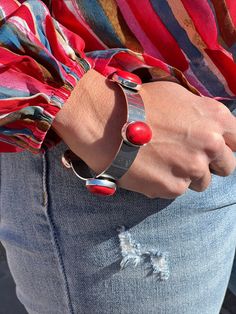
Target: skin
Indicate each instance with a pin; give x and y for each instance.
(192, 136)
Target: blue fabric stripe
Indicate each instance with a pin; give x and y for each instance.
(10, 142)
(69, 71)
(105, 54)
(99, 22)
(197, 64)
(9, 37)
(11, 93)
(35, 112)
(39, 13)
(15, 132)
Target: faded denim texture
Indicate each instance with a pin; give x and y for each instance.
(72, 252)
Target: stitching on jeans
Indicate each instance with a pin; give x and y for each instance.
(46, 202)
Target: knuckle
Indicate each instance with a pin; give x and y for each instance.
(228, 170)
(218, 109)
(197, 174)
(199, 188)
(222, 115)
(221, 110)
(214, 144)
(197, 168)
(224, 172)
(178, 189)
(201, 185)
(205, 184)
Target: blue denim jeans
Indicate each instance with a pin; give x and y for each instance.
(73, 252)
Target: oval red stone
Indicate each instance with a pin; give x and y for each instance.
(101, 190)
(129, 76)
(138, 133)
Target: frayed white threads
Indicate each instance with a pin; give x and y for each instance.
(129, 249)
(133, 254)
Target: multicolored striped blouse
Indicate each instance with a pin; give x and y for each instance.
(46, 47)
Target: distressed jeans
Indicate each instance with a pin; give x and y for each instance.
(73, 252)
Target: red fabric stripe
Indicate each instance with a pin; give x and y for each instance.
(68, 20)
(158, 34)
(32, 141)
(21, 64)
(204, 21)
(57, 49)
(12, 105)
(226, 26)
(32, 125)
(5, 147)
(154, 62)
(9, 6)
(231, 4)
(25, 13)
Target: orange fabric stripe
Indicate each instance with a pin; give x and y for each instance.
(226, 26)
(120, 27)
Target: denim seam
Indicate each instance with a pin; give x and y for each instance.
(55, 242)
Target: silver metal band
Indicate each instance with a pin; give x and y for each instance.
(127, 151)
(125, 82)
(105, 183)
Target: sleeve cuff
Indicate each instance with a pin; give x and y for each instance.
(39, 70)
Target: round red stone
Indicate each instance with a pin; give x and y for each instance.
(101, 190)
(138, 133)
(129, 76)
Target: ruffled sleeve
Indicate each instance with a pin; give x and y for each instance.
(41, 59)
(38, 71)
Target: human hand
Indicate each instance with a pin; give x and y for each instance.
(190, 135)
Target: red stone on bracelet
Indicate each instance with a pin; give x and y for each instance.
(138, 133)
(129, 76)
(101, 190)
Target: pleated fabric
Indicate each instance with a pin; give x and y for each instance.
(47, 46)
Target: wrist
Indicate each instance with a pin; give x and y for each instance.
(90, 121)
(134, 134)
